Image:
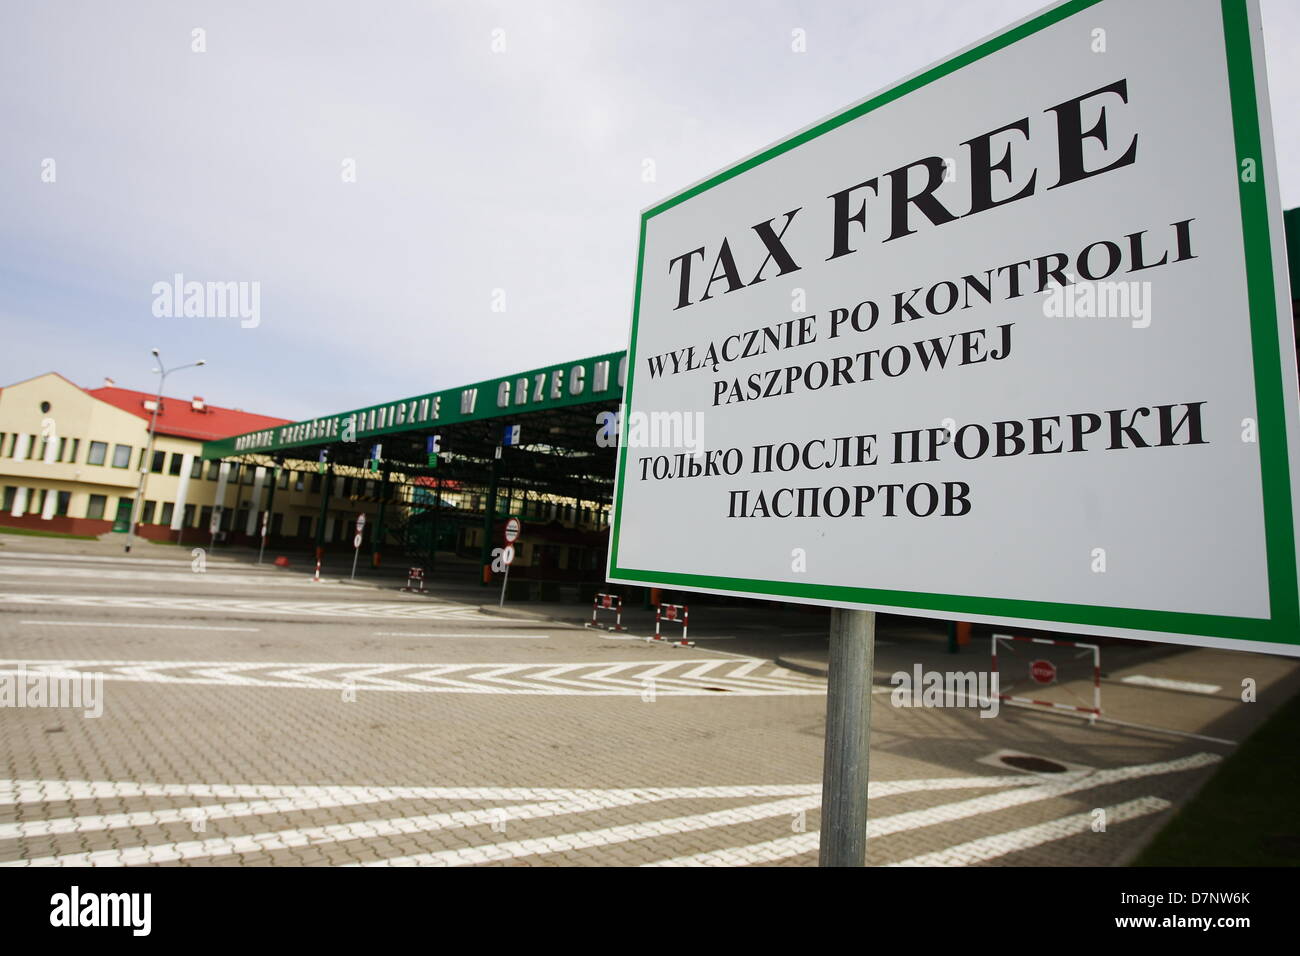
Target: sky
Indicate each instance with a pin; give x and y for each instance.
(423, 194)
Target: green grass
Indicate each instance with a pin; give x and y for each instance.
(32, 532)
(1246, 814)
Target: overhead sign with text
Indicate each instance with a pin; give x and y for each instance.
(1010, 341)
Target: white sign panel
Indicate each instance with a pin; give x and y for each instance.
(1010, 341)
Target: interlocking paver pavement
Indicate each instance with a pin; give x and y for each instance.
(289, 728)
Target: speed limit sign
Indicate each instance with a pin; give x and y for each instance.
(513, 527)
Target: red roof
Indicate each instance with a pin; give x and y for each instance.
(178, 417)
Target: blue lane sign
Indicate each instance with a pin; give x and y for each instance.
(511, 436)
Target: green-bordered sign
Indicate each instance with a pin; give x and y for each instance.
(596, 379)
(1007, 342)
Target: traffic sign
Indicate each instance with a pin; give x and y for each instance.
(356, 541)
(513, 527)
(361, 522)
(1043, 672)
(508, 555)
(1007, 342)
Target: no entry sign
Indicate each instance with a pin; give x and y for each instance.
(513, 527)
(1009, 341)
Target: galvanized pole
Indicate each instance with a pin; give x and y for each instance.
(848, 738)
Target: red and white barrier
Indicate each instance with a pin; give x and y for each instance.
(1093, 712)
(316, 577)
(676, 614)
(607, 602)
(416, 575)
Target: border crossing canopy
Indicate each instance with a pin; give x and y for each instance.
(1008, 342)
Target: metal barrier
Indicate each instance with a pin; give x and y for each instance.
(416, 575)
(676, 614)
(606, 602)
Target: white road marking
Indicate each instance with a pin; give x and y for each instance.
(1166, 683)
(585, 678)
(232, 606)
(488, 852)
(136, 624)
(785, 847)
(65, 791)
(251, 800)
(992, 847)
(252, 579)
(521, 637)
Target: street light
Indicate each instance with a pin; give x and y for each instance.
(147, 460)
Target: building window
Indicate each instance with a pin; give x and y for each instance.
(159, 460)
(98, 451)
(63, 447)
(205, 517)
(188, 520)
(277, 522)
(196, 468)
(10, 493)
(177, 460)
(284, 477)
(61, 509)
(214, 469)
(234, 473)
(95, 509)
(168, 510)
(304, 526)
(315, 484)
(76, 447)
(297, 481)
(121, 456)
(147, 517)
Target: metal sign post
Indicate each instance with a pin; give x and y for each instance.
(848, 738)
(356, 543)
(513, 527)
(507, 558)
(262, 550)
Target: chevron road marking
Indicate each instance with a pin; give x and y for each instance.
(475, 678)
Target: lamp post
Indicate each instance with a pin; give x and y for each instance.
(147, 461)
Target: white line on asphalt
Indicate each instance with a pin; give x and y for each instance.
(586, 839)
(522, 637)
(401, 611)
(165, 627)
(64, 791)
(1165, 683)
(565, 802)
(992, 847)
(877, 827)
